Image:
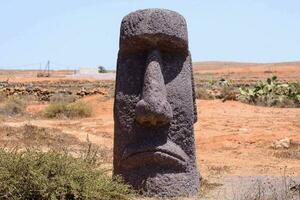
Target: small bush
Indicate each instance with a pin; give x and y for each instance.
(55, 110)
(13, 106)
(207, 187)
(293, 152)
(202, 93)
(78, 109)
(71, 110)
(213, 89)
(56, 176)
(102, 69)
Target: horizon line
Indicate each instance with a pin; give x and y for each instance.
(26, 67)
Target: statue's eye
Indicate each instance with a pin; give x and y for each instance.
(171, 65)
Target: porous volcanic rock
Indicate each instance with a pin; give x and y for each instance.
(155, 110)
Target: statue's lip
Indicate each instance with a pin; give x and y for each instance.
(167, 154)
(153, 151)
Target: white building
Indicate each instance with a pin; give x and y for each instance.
(88, 71)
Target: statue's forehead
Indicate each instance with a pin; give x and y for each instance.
(153, 24)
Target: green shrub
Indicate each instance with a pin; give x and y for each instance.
(71, 110)
(56, 176)
(272, 93)
(13, 106)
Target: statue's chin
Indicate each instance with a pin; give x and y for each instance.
(171, 185)
(162, 170)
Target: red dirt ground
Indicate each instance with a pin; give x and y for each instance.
(232, 138)
(247, 72)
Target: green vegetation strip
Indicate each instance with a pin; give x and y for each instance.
(56, 176)
(272, 93)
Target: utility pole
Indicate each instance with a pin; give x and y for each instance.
(46, 71)
(48, 68)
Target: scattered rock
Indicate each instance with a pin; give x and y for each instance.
(44, 91)
(244, 130)
(296, 188)
(283, 143)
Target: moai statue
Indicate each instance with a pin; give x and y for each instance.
(155, 110)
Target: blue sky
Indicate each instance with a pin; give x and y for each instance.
(72, 33)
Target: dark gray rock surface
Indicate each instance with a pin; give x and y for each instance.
(154, 110)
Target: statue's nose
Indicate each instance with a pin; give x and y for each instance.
(153, 109)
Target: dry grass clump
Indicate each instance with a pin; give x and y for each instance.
(97, 154)
(111, 91)
(13, 106)
(293, 152)
(69, 110)
(3, 96)
(56, 176)
(202, 93)
(270, 191)
(218, 170)
(216, 89)
(206, 187)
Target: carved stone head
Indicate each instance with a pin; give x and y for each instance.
(154, 111)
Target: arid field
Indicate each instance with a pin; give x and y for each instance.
(234, 140)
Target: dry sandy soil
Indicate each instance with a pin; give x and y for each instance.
(232, 139)
(246, 73)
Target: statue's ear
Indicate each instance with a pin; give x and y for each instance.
(194, 95)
